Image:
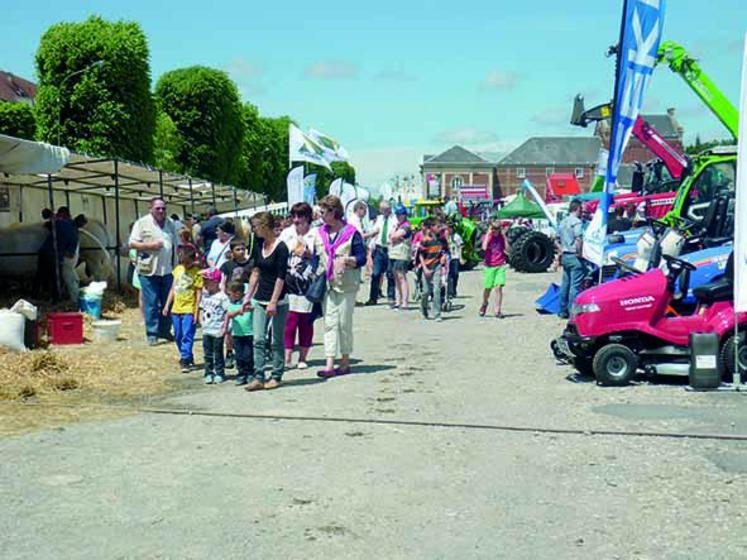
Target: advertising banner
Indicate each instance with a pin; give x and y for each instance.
(295, 185)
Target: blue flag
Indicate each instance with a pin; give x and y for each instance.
(640, 35)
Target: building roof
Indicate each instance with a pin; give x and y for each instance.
(663, 125)
(13, 88)
(455, 154)
(565, 150)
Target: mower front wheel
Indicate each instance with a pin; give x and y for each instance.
(614, 365)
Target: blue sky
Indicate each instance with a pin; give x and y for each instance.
(392, 80)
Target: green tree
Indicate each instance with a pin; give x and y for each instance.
(17, 119)
(104, 109)
(699, 146)
(264, 156)
(324, 176)
(166, 143)
(204, 105)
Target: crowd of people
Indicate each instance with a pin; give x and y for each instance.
(257, 295)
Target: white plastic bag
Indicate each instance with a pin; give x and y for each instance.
(95, 289)
(26, 309)
(12, 327)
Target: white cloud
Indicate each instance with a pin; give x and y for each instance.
(500, 80)
(396, 76)
(332, 70)
(248, 75)
(465, 135)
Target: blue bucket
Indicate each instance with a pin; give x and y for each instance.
(90, 305)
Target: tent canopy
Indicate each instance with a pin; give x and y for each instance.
(520, 207)
(25, 156)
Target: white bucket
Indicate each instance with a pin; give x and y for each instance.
(106, 331)
(12, 326)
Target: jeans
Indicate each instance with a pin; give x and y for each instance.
(453, 277)
(573, 275)
(263, 323)
(381, 266)
(155, 291)
(184, 335)
(431, 285)
(243, 347)
(212, 347)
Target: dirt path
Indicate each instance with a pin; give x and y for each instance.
(347, 482)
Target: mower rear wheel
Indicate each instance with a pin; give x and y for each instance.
(614, 365)
(727, 357)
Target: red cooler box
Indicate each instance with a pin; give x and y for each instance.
(65, 328)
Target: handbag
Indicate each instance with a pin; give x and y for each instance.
(317, 288)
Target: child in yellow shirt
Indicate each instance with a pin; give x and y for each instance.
(184, 301)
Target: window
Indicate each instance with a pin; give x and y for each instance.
(457, 182)
(715, 179)
(579, 173)
(549, 171)
(521, 172)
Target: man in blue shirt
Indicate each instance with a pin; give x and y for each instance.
(570, 237)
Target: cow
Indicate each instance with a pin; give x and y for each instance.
(19, 245)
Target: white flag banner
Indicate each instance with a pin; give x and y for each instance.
(303, 148)
(295, 185)
(332, 149)
(348, 194)
(335, 188)
(740, 212)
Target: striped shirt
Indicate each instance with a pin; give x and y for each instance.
(432, 247)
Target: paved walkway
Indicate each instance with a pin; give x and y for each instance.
(442, 483)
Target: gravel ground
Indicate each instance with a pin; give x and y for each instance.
(348, 482)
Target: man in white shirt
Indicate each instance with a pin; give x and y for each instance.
(385, 223)
(154, 238)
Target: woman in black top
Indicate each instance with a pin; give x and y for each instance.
(266, 296)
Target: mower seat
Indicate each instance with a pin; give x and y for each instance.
(720, 289)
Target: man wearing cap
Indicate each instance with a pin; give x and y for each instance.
(154, 238)
(385, 222)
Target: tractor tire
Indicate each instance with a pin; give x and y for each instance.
(727, 357)
(514, 233)
(533, 252)
(615, 365)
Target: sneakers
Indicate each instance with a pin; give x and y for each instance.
(255, 385)
(241, 380)
(302, 365)
(272, 384)
(218, 379)
(185, 365)
(439, 319)
(230, 360)
(208, 380)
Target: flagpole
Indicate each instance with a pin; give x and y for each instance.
(613, 129)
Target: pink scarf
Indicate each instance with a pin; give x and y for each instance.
(345, 234)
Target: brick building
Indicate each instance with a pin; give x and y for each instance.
(539, 157)
(457, 167)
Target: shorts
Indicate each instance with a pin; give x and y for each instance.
(495, 276)
(398, 265)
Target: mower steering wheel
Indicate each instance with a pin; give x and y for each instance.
(625, 266)
(679, 263)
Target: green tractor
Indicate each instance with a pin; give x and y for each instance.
(469, 230)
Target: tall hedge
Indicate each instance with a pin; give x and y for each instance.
(17, 119)
(105, 110)
(204, 105)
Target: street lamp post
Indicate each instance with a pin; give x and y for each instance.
(97, 64)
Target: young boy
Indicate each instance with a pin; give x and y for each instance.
(432, 257)
(214, 306)
(238, 267)
(455, 258)
(495, 247)
(241, 329)
(184, 301)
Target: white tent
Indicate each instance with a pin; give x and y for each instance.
(26, 156)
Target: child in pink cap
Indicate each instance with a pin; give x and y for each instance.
(213, 307)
